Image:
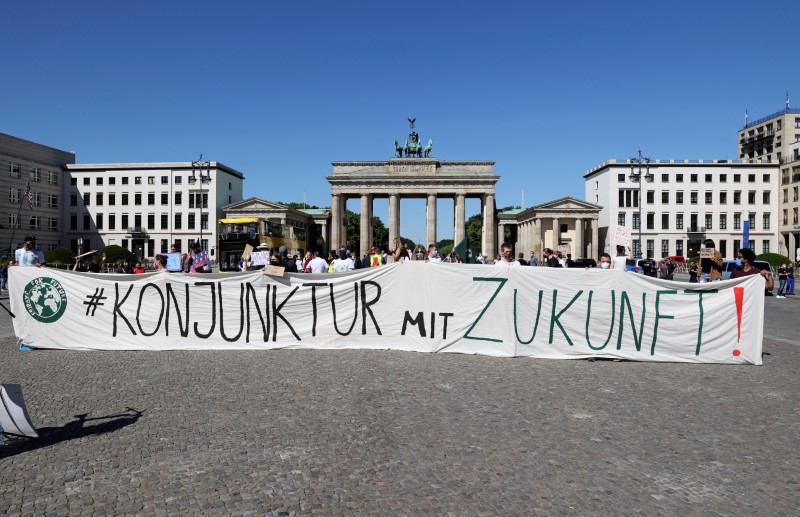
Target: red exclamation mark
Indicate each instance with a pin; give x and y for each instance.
(738, 293)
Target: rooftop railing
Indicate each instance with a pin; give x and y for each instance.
(785, 111)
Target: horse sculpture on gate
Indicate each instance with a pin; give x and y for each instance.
(413, 147)
(428, 148)
(398, 149)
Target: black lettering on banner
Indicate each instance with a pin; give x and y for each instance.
(276, 313)
(502, 282)
(117, 306)
(213, 286)
(444, 327)
(251, 290)
(222, 314)
(314, 304)
(160, 310)
(171, 295)
(355, 311)
(365, 306)
(419, 321)
(433, 323)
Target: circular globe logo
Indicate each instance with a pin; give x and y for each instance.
(45, 299)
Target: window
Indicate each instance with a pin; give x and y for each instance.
(13, 170)
(35, 174)
(723, 178)
(112, 199)
(151, 221)
(665, 221)
(679, 198)
(151, 247)
(621, 178)
(693, 197)
(765, 246)
(751, 178)
(13, 195)
(766, 176)
(693, 178)
(679, 178)
(190, 222)
(637, 248)
(664, 198)
(785, 216)
(723, 247)
(751, 197)
(177, 225)
(125, 199)
(98, 221)
(679, 247)
(178, 180)
(650, 197)
(73, 200)
(87, 180)
(766, 222)
(137, 180)
(124, 221)
(164, 246)
(164, 198)
(737, 198)
(151, 180)
(204, 222)
(737, 178)
(87, 199)
(709, 223)
(165, 180)
(636, 221)
(751, 218)
(708, 178)
(165, 221)
(664, 179)
(178, 198)
(650, 246)
(621, 219)
(73, 221)
(794, 216)
(52, 224)
(723, 198)
(137, 199)
(98, 199)
(52, 178)
(125, 243)
(765, 197)
(125, 180)
(137, 220)
(99, 181)
(35, 222)
(736, 245)
(13, 222)
(86, 221)
(664, 247)
(794, 193)
(737, 221)
(679, 221)
(112, 222)
(151, 198)
(708, 196)
(52, 200)
(112, 180)
(723, 221)
(786, 195)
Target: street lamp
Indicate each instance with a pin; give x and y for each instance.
(198, 166)
(636, 175)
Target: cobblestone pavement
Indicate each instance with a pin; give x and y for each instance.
(391, 433)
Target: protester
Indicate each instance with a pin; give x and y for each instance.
(605, 261)
(747, 257)
(317, 264)
(4, 277)
(286, 261)
(783, 276)
(506, 256)
(790, 279)
(29, 255)
(521, 259)
(199, 259)
(356, 261)
(375, 258)
(533, 260)
(433, 254)
(693, 271)
(344, 262)
(711, 268)
(138, 269)
(621, 260)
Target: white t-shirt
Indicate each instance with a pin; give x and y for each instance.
(502, 262)
(28, 257)
(619, 263)
(318, 265)
(341, 266)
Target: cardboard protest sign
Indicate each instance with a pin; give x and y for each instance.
(500, 311)
(707, 253)
(248, 249)
(622, 236)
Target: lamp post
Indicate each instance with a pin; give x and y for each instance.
(637, 163)
(198, 166)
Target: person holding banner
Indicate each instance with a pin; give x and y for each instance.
(748, 256)
(29, 255)
(604, 262)
(506, 256)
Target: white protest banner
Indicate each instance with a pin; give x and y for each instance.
(622, 236)
(475, 309)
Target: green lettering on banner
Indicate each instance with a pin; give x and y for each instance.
(700, 302)
(502, 282)
(611, 327)
(637, 339)
(535, 326)
(554, 319)
(660, 316)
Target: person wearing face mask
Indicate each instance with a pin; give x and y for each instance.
(420, 254)
(433, 254)
(605, 261)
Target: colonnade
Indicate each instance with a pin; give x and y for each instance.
(531, 232)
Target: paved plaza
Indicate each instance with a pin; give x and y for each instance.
(290, 432)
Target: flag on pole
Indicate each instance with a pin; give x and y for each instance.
(29, 193)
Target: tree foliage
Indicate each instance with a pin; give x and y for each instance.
(474, 229)
(60, 255)
(775, 259)
(116, 254)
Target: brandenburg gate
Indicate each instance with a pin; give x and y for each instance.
(415, 175)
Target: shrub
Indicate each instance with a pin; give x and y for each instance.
(116, 254)
(774, 259)
(59, 255)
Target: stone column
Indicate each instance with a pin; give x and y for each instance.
(430, 234)
(577, 249)
(394, 218)
(556, 233)
(342, 226)
(460, 230)
(537, 237)
(336, 224)
(324, 235)
(364, 242)
(370, 229)
(489, 226)
(595, 239)
(501, 234)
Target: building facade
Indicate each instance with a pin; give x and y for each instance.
(147, 207)
(767, 140)
(40, 167)
(681, 203)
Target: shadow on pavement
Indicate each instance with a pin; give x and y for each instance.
(76, 429)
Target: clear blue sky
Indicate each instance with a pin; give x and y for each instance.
(278, 90)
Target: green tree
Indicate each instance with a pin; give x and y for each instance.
(445, 246)
(297, 206)
(116, 254)
(60, 255)
(474, 226)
